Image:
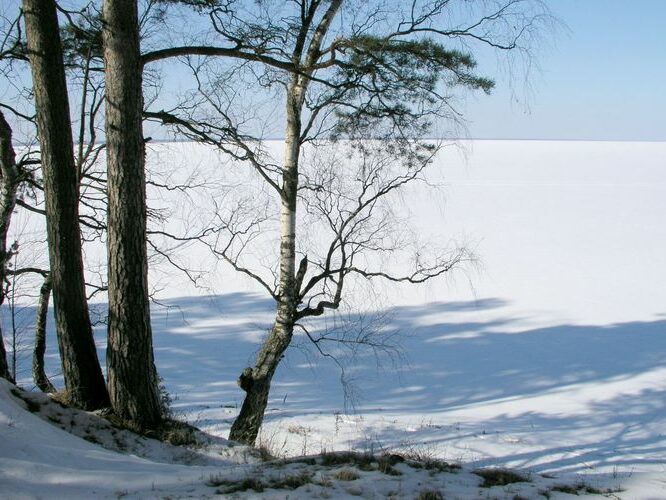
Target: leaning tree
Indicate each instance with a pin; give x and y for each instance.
(84, 381)
(359, 86)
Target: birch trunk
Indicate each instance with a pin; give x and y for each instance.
(84, 381)
(256, 381)
(133, 385)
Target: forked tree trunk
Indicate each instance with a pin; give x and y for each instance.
(133, 383)
(84, 381)
(8, 185)
(38, 373)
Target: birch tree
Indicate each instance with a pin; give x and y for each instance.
(360, 84)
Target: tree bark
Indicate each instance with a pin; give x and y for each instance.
(133, 385)
(4, 367)
(8, 185)
(256, 381)
(84, 381)
(38, 373)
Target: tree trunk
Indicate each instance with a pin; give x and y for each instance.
(84, 381)
(8, 185)
(38, 373)
(4, 367)
(256, 381)
(133, 385)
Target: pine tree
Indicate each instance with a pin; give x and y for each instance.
(84, 381)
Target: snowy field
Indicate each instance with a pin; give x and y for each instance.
(546, 356)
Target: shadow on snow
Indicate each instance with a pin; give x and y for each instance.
(454, 362)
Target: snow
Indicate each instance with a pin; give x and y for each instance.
(547, 357)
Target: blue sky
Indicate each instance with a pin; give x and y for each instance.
(602, 78)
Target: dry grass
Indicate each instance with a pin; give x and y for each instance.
(430, 495)
(500, 477)
(287, 482)
(347, 475)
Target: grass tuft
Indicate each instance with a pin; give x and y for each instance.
(249, 483)
(329, 459)
(386, 462)
(430, 495)
(299, 460)
(566, 488)
(292, 482)
(347, 475)
(92, 439)
(584, 488)
(289, 482)
(500, 477)
(265, 453)
(169, 431)
(434, 464)
(177, 433)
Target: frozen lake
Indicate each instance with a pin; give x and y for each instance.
(548, 354)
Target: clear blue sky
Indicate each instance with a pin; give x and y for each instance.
(603, 78)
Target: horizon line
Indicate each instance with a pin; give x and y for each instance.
(150, 139)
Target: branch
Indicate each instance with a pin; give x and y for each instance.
(196, 131)
(26, 270)
(193, 278)
(18, 113)
(421, 274)
(30, 208)
(204, 50)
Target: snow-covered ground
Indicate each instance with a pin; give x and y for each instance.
(548, 356)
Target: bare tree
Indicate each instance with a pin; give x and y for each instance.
(10, 170)
(84, 381)
(361, 84)
(256, 381)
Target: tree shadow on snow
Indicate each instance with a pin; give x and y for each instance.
(459, 355)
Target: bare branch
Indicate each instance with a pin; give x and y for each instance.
(205, 50)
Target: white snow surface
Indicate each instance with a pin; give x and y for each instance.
(547, 357)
